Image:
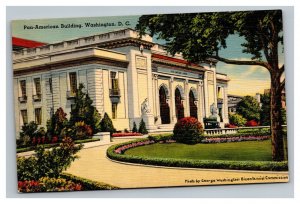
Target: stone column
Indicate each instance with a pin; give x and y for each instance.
(225, 105)
(172, 101)
(200, 105)
(156, 97)
(187, 101)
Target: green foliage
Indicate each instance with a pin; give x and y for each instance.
(142, 128)
(237, 119)
(46, 184)
(249, 108)
(188, 131)
(190, 163)
(81, 131)
(107, 124)
(57, 123)
(88, 184)
(134, 129)
(283, 115)
(49, 163)
(47, 146)
(83, 110)
(265, 117)
(201, 35)
(29, 130)
(162, 137)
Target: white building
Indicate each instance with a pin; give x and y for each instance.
(126, 76)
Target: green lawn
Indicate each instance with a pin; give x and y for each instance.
(238, 151)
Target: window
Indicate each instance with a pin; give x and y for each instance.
(38, 116)
(50, 85)
(37, 84)
(24, 116)
(23, 88)
(73, 82)
(114, 110)
(114, 81)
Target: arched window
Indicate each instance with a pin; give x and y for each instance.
(164, 106)
(178, 104)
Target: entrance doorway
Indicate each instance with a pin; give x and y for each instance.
(193, 107)
(178, 105)
(164, 106)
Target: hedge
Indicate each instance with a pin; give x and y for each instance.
(88, 184)
(47, 146)
(189, 163)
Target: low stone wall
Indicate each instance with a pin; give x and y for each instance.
(103, 136)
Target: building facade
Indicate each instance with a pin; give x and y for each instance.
(126, 76)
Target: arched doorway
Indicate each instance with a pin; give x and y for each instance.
(178, 105)
(193, 107)
(164, 106)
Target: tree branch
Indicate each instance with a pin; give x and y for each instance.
(282, 85)
(243, 62)
(281, 70)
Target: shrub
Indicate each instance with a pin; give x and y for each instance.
(107, 124)
(57, 123)
(29, 130)
(251, 123)
(49, 163)
(188, 130)
(237, 119)
(142, 128)
(83, 110)
(249, 108)
(46, 184)
(82, 131)
(230, 126)
(134, 129)
(88, 184)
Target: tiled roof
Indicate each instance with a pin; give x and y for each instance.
(26, 43)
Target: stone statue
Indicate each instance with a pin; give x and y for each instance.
(145, 107)
(214, 110)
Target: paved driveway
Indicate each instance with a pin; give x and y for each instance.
(94, 165)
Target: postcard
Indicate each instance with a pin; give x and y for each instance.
(163, 100)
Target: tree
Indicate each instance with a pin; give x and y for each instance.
(237, 120)
(107, 124)
(142, 127)
(265, 118)
(249, 108)
(57, 123)
(200, 36)
(134, 129)
(83, 110)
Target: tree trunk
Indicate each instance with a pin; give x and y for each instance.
(276, 118)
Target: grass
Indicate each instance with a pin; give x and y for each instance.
(235, 151)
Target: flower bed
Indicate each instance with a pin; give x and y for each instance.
(115, 152)
(234, 139)
(123, 148)
(126, 134)
(46, 184)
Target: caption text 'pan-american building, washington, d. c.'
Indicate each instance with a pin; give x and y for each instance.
(126, 76)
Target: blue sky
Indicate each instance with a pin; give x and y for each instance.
(244, 80)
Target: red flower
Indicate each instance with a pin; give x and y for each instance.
(251, 123)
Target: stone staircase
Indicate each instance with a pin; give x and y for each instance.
(163, 128)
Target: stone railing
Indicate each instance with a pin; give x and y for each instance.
(219, 131)
(79, 42)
